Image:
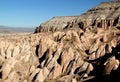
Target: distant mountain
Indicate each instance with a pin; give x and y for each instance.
(7, 29)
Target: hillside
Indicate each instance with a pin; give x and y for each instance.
(84, 48)
(104, 15)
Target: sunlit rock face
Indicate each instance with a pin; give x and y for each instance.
(104, 15)
(81, 48)
(56, 24)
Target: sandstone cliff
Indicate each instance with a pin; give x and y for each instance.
(56, 23)
(104, 15)
(83, 48)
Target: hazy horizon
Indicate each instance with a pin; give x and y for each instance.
(3, 26)
(31, 13)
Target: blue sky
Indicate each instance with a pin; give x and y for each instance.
(31, 13)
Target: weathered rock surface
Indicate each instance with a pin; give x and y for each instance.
(60, 56)
(86, 49)
(56, 24)
(104, 15)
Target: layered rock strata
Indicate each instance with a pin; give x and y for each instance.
(86, 49)
(104, 15)
(56, 24)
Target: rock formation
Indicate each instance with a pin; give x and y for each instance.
(56, 24)
(104, 15)
(83, 48)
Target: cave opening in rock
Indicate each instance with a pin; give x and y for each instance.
(81, 25)
(116, 21)
(99, 25)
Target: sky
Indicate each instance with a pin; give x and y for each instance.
(31, 13)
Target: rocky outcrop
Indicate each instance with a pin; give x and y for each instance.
(85, 49)
(104, 15)
(71, 55)
(56, 24)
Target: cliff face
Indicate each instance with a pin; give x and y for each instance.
(104, 15)
(82, 48)
(55, 24)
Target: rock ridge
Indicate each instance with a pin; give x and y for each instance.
(104, 15)
(82, 48)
